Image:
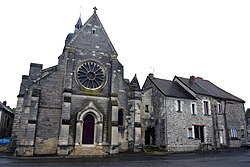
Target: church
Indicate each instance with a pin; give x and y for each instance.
(85, 106)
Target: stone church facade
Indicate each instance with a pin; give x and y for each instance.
(84, 106)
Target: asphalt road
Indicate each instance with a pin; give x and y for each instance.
(228, 158)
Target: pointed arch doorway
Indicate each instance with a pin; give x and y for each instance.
(88, 129)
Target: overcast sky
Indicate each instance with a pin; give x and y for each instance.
(205, 38)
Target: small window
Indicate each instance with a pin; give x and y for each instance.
(193, 109)
(178, 105)
(190, 133)
(93, 31)
(120, 117)
(146, 108)
(248, 133)
(242, 133)
(206, 108)
(248, 121)
(234, 133)
(219, 109)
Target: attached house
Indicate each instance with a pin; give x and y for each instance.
(189, 114)
(248, 123)
(6, 120)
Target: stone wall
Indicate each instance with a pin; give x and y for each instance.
(235, 117)
(172, 127)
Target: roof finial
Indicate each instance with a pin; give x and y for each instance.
(95, 9)
(80, 11)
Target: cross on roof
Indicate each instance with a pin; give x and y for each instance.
(95, 9)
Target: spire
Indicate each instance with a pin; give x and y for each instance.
(134, 84)
(78, 24)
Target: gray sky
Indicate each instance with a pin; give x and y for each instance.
(206, 38)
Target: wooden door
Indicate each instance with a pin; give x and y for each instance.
(88, 129)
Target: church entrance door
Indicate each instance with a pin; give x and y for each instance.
(88, 129)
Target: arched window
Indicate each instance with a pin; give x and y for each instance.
(120, 117)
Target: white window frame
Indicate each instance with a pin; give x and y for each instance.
(219, 108)
(178, 108)
(190, 133)
(234, 133)
(191, 106)
(208, 107)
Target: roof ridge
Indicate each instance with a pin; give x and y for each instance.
(223, 90)
(207, 88)
(194, 83)
(163, 79)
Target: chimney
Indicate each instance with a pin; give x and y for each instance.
(192, 78)
(151, 75)
(4, 103)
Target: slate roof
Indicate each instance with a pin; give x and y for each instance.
(171, 88)
(79, 23)
(248, 112)
(5, 108)
(134, 84)
(205, 87)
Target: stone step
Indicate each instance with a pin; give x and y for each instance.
(88, 150)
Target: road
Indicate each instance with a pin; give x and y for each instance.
(228, 158)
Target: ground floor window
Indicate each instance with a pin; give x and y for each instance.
(199, 132)
(190, 133)
(242, 133)
(234, 133)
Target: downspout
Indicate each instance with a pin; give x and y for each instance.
(215, 127)
(165, 115)
(134, 124)
(226, 128)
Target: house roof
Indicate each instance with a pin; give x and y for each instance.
(171, 88)
(248, 112)
(5, 108)
(205, 87)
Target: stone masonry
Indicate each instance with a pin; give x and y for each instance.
(85, 106)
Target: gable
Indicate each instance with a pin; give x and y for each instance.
(93, 37)
(167, 88)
